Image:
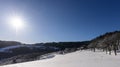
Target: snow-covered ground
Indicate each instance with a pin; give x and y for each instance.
(75, 59)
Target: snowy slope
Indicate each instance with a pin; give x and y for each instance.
(75, 59)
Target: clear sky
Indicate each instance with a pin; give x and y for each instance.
(59, 20)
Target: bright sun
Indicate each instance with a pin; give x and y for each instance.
(17, 22)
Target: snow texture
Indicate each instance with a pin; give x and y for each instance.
(75, 59)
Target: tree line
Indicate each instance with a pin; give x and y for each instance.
(107, 42)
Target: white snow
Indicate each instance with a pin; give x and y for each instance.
(75, 59)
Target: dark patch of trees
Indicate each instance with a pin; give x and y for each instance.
(8, 43)
(64, 45)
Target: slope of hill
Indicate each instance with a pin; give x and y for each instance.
(76, 59)
(9, 43)
(16, 52)
(108, 42)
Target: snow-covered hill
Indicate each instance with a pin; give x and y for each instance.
(75, 59)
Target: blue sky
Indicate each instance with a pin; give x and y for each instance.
(59, 20)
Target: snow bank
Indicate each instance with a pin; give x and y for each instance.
(76, 59)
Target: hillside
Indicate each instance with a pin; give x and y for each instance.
(16, 52)
(8, 43)
(75, 59)
(107, 42)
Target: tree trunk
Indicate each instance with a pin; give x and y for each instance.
(115, 51)
(94, 49)
(106, 50)
(109, 52)
(109, 48)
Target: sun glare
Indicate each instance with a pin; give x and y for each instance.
(17, 22)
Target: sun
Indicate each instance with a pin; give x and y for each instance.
(17, 22)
